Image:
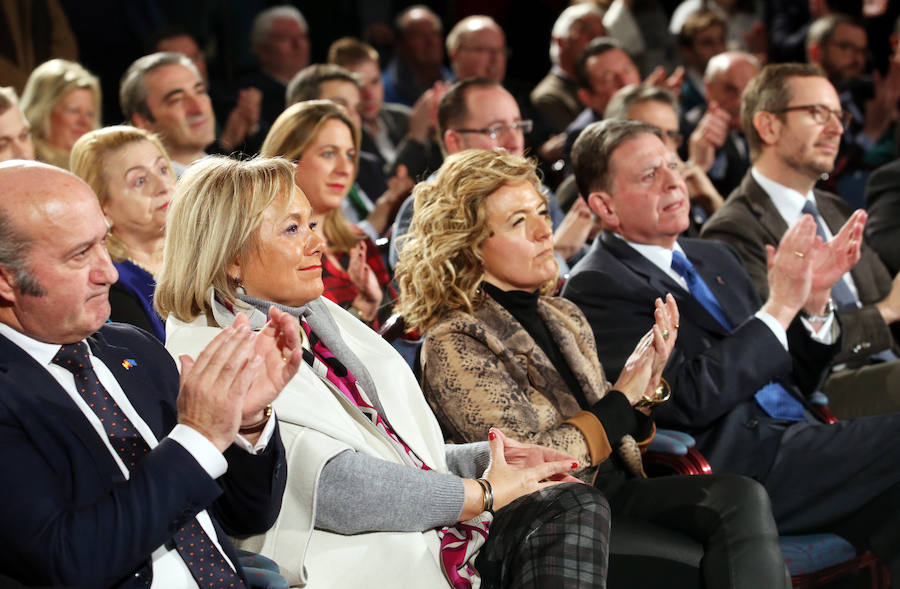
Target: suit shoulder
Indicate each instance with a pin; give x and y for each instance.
(124, 335)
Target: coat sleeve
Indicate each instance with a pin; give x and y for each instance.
(471, 391)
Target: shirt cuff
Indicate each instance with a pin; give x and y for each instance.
(776, 327)
(263, 441)
(827, 334)
(204, 452)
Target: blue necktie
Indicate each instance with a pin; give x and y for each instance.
(840, 292)
(698, 288)
(773, 398)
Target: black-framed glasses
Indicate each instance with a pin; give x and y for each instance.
(494, 131)
(821, 113)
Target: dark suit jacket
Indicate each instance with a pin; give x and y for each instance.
(749, 220)
(556, 101)
(68, 517)
(883, 206)
(714, 374)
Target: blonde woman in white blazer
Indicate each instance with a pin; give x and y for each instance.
(374, 497)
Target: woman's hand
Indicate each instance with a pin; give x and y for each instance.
(399, 186)
(365, 281)
(645, 365)
(665, 332)
(511, 481)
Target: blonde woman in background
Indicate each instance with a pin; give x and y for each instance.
(61, 102)
(323, 141)
(130, 172)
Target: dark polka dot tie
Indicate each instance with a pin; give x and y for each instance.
(205, 561)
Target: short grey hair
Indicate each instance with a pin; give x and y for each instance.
(263, 22)
(564, 22)
(14, 247)
(622, 101)
(593, 150)
(305, 84)
(132, 90)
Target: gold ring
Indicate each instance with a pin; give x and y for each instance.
(799, 254)
(665, 334)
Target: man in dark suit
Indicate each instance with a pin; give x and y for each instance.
(793, 123)
(883, 206)
(107, 482)
(739, 370)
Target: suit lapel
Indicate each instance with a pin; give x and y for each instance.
(763, 207)
(661, 283)
(39, 394)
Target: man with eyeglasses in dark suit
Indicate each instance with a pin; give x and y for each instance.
(793, 121)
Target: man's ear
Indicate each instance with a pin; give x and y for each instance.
(584, 96)
(9, 290)
(768, 126)
(141, 122)
(453, 141)
(814, 53)
(601, 203)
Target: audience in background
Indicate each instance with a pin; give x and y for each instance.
(418, 56)
(15, 132)
(555, 98)
(61, 101)
(476, 46)
(393, 132)
(129, 171)
(701, 37)
(839, 45)
(716, 141)
(280, 41)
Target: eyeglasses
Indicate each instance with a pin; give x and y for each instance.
(821, 113)
(673, 136)
(494, 131)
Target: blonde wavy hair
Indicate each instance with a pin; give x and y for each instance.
(214, 221)
(293, 131)
(88, 162)
(49, 82)
(440, 266)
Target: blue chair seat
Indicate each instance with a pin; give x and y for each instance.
(814, 552)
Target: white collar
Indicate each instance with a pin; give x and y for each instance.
(42, 352)
(788, 201)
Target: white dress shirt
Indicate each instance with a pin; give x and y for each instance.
(661, 257)
(169, 570)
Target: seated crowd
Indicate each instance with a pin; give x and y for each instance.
(412, 318)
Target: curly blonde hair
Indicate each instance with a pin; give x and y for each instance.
(440, 266)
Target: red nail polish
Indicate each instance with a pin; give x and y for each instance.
(574, 465)
(491, 435)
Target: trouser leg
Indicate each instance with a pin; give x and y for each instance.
(555, 537)
(730, 515)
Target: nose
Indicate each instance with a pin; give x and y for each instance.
(315, 245)
(22, 150)
(104, 272)
(543, 229)
(512, 140)
(162, 184)
(343, 165)
(835, 125)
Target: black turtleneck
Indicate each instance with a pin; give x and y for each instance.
(523, 307)
(614, 410)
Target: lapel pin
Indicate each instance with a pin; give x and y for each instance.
(128, 363)
(719, 280)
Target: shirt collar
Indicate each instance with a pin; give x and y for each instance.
(42, 352)
(660, 256)
(788, 201)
